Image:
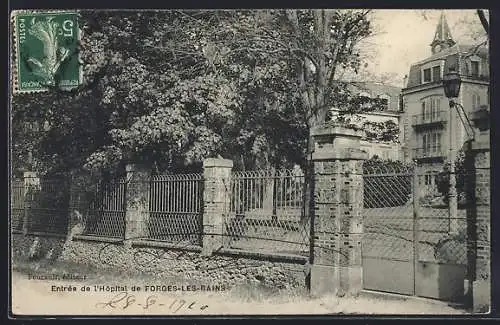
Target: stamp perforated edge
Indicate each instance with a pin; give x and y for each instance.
(14, 57)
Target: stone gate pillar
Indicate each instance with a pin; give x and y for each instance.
(480, 150)
(137, 202)
(216, 199)
(337, 211)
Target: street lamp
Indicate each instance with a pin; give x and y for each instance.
(451, 84)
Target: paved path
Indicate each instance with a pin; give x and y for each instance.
(35, 297)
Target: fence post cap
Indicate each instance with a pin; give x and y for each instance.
(135, 167)
(335, 130)
(29, 174)
(217, 162)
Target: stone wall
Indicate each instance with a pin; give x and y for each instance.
(482, 280)
(185, 266)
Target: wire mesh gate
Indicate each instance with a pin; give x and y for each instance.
(411, 244)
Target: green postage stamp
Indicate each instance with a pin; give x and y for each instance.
(46, 51)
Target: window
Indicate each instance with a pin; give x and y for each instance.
(427, 75)
(476, 101)
(431, 107)
(435, 106)
(436, 142)
(431, 143)
(436, 73)
(426, 143)
(428, 179)
(425, 110)
(474, 67)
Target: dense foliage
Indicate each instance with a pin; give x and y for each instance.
(463, 172)
(170, 88)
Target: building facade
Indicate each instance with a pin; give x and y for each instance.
(391, 97)
(431, 131)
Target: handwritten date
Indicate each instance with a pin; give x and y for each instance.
(125, 300)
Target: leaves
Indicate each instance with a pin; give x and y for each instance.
(171, 88)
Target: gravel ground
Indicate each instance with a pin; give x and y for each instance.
(35, 297)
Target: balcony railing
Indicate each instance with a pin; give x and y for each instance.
(429, 153)
(436, 118)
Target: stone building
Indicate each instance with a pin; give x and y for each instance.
(431, 132)
(391, 96)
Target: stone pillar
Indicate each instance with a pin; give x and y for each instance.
(338, 203)
(481, 288)
(137, 202)
(31, 183)
(216, 200)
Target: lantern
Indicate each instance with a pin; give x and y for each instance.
(451, 84)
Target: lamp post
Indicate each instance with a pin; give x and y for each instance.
(451, 84)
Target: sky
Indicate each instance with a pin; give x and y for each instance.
(403, 37)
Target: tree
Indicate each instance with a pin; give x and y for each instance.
(484, 21)
(247, 85)
(324, 41)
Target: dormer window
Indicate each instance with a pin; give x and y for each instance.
(436, 73)
(474, 69)
(432, 71)
(427, 75)
(473, 66)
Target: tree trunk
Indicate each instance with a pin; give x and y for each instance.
(484, 21)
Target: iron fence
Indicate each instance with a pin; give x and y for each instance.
(267, 212)
(176, 208)
(46, 205)
(105, 216)
(17, 205)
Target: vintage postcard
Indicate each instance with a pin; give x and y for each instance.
(249, 162)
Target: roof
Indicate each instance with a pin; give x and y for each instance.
(452, 57)
(443, 33)
(376, 89)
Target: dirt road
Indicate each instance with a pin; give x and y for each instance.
(46, 297)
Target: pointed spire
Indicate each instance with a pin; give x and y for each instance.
(443, 34)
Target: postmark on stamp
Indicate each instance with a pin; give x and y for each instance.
(46, 51)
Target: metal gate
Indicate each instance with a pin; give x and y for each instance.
(412, 244)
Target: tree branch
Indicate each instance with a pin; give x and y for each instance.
(484, 21)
